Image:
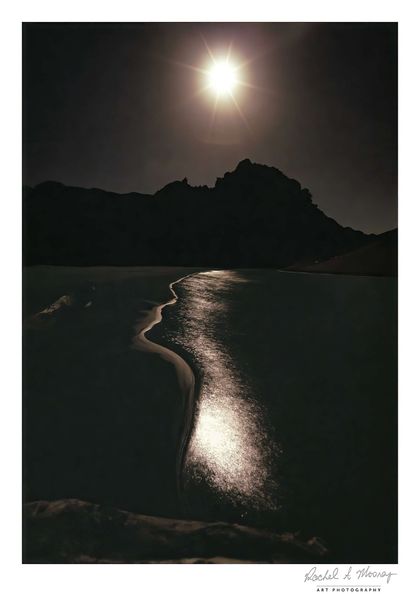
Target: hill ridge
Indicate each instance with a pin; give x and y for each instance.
(254, 216)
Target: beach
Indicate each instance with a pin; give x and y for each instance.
(259, 398)
(102, 419)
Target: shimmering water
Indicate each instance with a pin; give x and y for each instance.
(295, 410)
(230, 446)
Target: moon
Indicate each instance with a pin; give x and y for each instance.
(222, 78)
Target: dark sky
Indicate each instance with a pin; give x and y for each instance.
(112, 106)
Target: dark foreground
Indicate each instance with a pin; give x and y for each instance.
(101, 419)
(73, 531)
(295, 426)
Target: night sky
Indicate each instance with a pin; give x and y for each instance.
(115, 106)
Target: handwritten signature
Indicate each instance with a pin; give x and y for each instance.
(328, 575)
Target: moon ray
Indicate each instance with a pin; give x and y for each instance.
(222, 78)
(210, 53)
(213, 114)
(229, 51)
(239, 110)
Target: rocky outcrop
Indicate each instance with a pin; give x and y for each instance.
(74, 531)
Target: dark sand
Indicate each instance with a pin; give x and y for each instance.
(102, 420)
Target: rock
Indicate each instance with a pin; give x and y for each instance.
(74, 531)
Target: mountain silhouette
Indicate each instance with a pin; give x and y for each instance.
(254, 216)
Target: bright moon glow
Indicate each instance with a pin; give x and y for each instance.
(222, 78)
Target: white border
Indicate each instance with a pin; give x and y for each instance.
(62, 579)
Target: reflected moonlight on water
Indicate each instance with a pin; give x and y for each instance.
(229, 447)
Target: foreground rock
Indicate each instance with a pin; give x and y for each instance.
(74, 531)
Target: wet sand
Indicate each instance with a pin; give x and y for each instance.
(185, 374)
